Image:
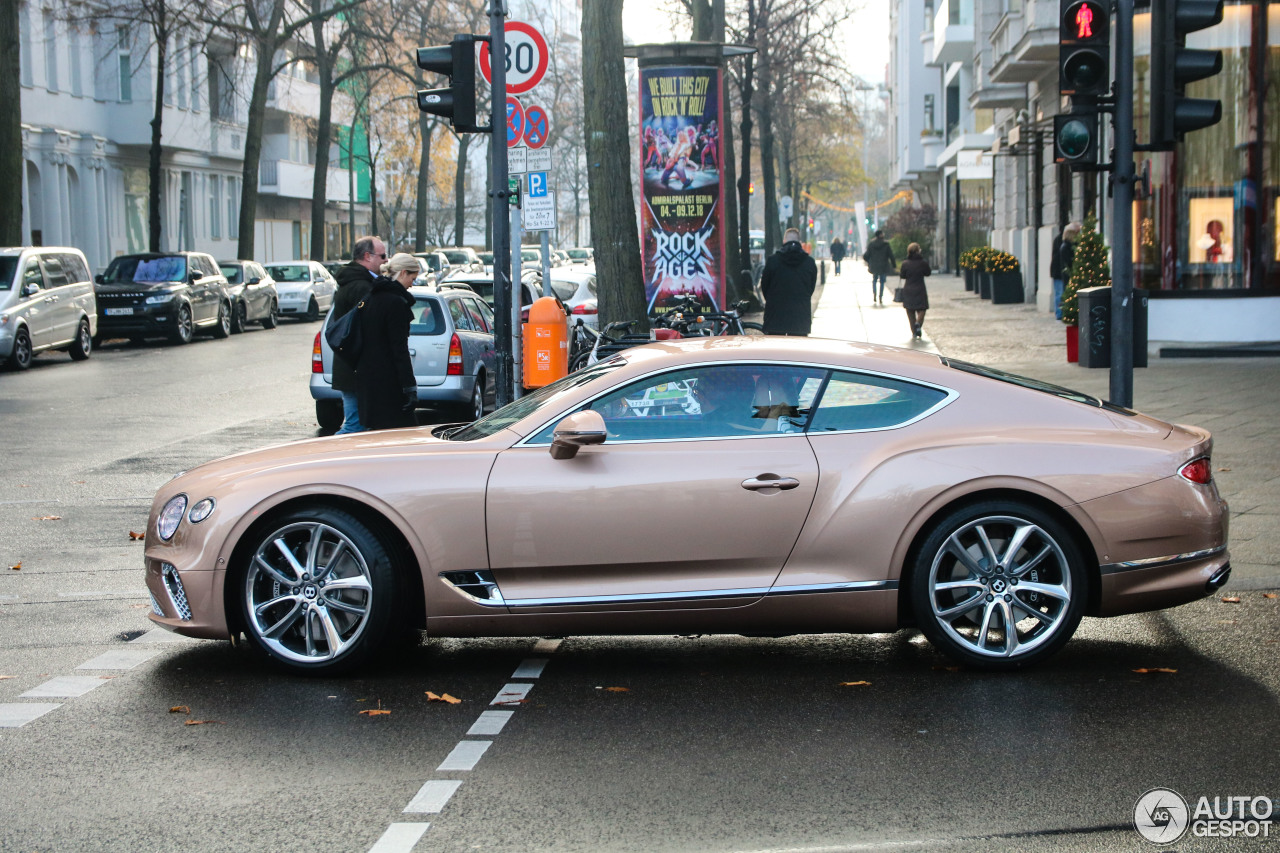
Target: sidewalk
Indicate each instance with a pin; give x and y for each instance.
(1238, 399)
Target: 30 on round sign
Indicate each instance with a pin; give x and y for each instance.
(527, 57)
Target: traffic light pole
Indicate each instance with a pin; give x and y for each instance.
(1122, 213)
(502, 290)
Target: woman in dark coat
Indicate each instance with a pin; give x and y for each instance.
(915, 297)
(385, 383)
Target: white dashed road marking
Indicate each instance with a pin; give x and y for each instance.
(489, 723)
(399, 838)
(432, 796)
(120, 659)
(64, 686)
(530, 668)
(465, 755)
(15, 716)
(512, 694)
(544, 647)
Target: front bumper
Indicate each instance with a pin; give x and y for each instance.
(294, 303)
(157, 320)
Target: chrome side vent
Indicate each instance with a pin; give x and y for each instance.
(155, 605)
(480, 587)
(177, 595)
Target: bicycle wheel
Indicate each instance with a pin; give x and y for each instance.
(753, 330)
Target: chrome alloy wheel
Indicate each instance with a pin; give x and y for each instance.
(308, 593)
(1001, 587)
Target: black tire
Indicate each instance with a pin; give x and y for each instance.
(222, 328)
(964, 594)
(313, 311)
(272, 318)
(329, 609)
(20, 357)
(579, 361)
(474, 410)
(752, 329)
(329, 415)
(239, 318)
(82, 347)
(184, 331)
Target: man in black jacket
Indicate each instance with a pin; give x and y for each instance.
(354, 283)
(880, 262)
(787, 285)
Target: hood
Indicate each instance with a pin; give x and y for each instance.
(792, 254)
(139, 286)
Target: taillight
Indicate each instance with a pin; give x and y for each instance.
(585, 308)
(1197, 471)
(317, 356)
(455, 356)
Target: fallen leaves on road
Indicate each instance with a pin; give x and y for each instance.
(1154, 669)
(375, 712)
(136, 536)
(431, 697)
(6, 677)
(1268, 595)
(855, 684)
(1224, 469)
(47, 518)
(206, 722)
(17, 567)
(618, 689)
(180, 709)
(1231, 599)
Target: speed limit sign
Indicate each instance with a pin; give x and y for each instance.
(527, 57)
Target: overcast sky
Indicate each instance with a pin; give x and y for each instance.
(866, 34)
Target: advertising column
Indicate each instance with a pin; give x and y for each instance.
(682, 198)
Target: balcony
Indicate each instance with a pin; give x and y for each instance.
(1025, 45)
(291, 95)
(987, 94)
(293, 180)
(952, 32)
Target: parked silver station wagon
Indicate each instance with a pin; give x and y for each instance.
(46, 302)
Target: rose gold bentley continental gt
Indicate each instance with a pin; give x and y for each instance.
(738, 485)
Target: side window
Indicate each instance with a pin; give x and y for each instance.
(31, 274)
(715, 401)
(854, 401)
(196, 265)
(486, 312)
(76, 269)
(477, 318)
(460, 319)
(54, 273)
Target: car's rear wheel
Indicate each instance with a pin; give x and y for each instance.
(20, 357)
(318, 592)
(222, 328)
(82, 346)
(183, 331)
(313, 311)
(999, 585)
(239, 319)
(329, 414)
(269, 321)
(474, 410)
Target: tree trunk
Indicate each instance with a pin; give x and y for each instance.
(11, 165)
(460, 191)
(253, 151)
(154, 177)
(324, 133)
(613, 215)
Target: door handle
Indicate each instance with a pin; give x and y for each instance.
(770, 481)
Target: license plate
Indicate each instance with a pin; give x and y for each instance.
(119, 312)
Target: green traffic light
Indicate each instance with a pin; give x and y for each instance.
(1074, 138)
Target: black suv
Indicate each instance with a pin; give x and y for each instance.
(174, 294)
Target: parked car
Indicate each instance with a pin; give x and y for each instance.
(576, 288)
(531, 285)
(462, 258)
(560, 258)
(46, 303)
(486, 258)
(174, 294)
(334, 266)
(436, 262)
(451, 343)
(305, 288)
(253, 295)
(773, 486)
(426, 276)
(582, 255)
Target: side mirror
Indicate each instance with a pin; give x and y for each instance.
(30, 289)
(575, 431)
(255, 280)
(98, 279)
(195, 276)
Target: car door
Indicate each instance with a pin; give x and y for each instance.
(482, 322)
(676, 509)
(490, 356)
(258, 293)
(201, 290)
(36, 304)
(59, 299)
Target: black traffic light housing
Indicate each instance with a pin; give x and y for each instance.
(1084, 48)
(1075, 138)
(1174, 65)
(457, 102)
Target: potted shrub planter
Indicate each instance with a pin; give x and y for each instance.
(984, 284)
(968, 279)
(1006, 288)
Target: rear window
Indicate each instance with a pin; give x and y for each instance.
(290, 272)
(564, 289)
(855, 401)
(8, 264)
(146, 270)
(427, 319)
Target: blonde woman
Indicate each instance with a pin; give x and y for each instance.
(385, 384)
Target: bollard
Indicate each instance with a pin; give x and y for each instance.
(546, 343)
(822, 273)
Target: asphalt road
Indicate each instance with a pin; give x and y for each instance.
(710, 743)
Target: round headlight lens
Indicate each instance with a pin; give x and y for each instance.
(171, 517)
(202, 510)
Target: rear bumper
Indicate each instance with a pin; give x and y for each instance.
(1166, 584)
(454, 389)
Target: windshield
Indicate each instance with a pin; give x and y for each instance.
(7, 265)
(458, 257)
(578, 254)
(1033, 384)
(530, 256)
(290, 272)
(233, 273)
(146, 270)
(486, 258)
(530, 403)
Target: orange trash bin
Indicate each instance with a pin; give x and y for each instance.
(545, 343)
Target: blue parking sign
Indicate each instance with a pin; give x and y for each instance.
(537, 185)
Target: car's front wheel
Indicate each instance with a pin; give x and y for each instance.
(313, 311)
(318, 592)
(20, 357)
(999, 585)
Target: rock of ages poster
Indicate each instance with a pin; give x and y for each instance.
(682, 236)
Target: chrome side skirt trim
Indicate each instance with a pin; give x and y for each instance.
(495, 598)
(1159, 562)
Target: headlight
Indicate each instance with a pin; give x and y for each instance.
(171, 517)
(202, 510)
(159, 298)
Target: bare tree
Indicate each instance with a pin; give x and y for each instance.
(11, 165)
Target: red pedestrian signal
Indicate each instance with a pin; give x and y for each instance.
(1084, 22)
(1084, 50)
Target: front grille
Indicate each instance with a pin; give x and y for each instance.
(178, 595)
(121, 295)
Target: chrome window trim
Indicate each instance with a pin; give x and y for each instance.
(694, 595)
(951, 395)
(1160, 562)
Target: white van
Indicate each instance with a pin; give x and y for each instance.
(46, 302)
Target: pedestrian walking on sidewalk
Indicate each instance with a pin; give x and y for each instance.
(388, 391)
(915, 296)
(354, 282)
(881, 262)
(1060, 263)
(787, 283)
(837, 253)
